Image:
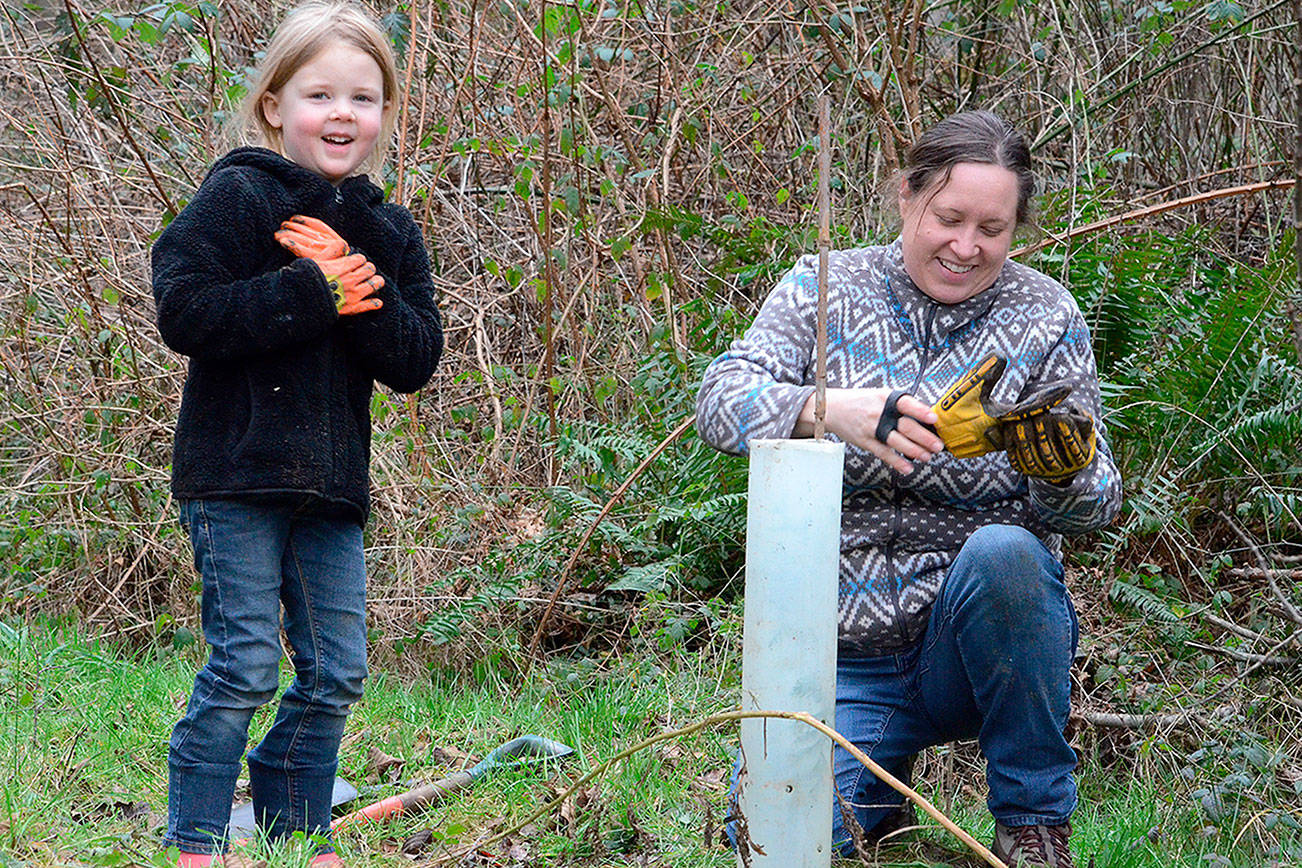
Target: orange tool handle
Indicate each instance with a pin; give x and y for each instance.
(396, 805)
(390, 807)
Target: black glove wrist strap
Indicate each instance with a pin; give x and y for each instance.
(890, 418)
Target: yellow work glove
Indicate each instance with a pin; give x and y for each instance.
(1043, 438)
(353, 281)
(964, 414)
(1047, 441)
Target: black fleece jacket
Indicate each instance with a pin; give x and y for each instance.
(278, 392)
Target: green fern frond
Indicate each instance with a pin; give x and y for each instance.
(1259, 432)
(577, 451)
(569, 502)
(647, 578)
(625, 444)
(1144, 601)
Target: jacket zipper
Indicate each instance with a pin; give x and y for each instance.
(926, 348)
(897, 496)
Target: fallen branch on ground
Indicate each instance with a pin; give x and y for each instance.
(1246, 656)
(1118, 720)
(1290, 611)
(1292, 574)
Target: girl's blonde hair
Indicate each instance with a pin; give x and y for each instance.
(305, 32)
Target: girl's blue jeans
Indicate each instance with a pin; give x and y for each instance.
(994, 664)
(257, 559)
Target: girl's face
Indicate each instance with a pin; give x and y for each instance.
(956, 236)
(330, 111)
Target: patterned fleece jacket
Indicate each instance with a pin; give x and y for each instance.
(900, 533)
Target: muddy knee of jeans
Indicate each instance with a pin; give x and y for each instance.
(342, 684)
(1006, 569)
(348, 688)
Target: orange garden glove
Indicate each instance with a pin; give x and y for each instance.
(351, 276)
(353, 281)
(311, 238)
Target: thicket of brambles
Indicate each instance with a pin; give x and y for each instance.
(608, 190)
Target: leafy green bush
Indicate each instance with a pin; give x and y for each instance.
(1201, 381)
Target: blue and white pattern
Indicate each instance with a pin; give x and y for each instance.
(899, 533)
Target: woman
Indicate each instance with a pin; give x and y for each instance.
(953, 617)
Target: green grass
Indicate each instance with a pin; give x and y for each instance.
(84, 766)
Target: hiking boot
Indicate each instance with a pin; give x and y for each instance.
(1033, 846)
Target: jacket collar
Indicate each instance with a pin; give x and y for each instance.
(919, 307)
(307, 187)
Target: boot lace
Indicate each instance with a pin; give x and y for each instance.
(1029, 845)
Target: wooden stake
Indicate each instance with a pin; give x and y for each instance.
(549, 265)
(824, 243)
(1295, 308)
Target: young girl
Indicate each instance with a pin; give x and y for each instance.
(292, 286)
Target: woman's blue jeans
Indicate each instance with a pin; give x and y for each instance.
(256, 559)
(995, 664)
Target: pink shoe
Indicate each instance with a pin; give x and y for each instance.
(326, 860)
(198, 860)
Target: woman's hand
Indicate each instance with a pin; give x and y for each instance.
(853, 414)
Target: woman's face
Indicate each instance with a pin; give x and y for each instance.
(957, 233)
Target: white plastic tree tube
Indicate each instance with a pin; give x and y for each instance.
(793, 532)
